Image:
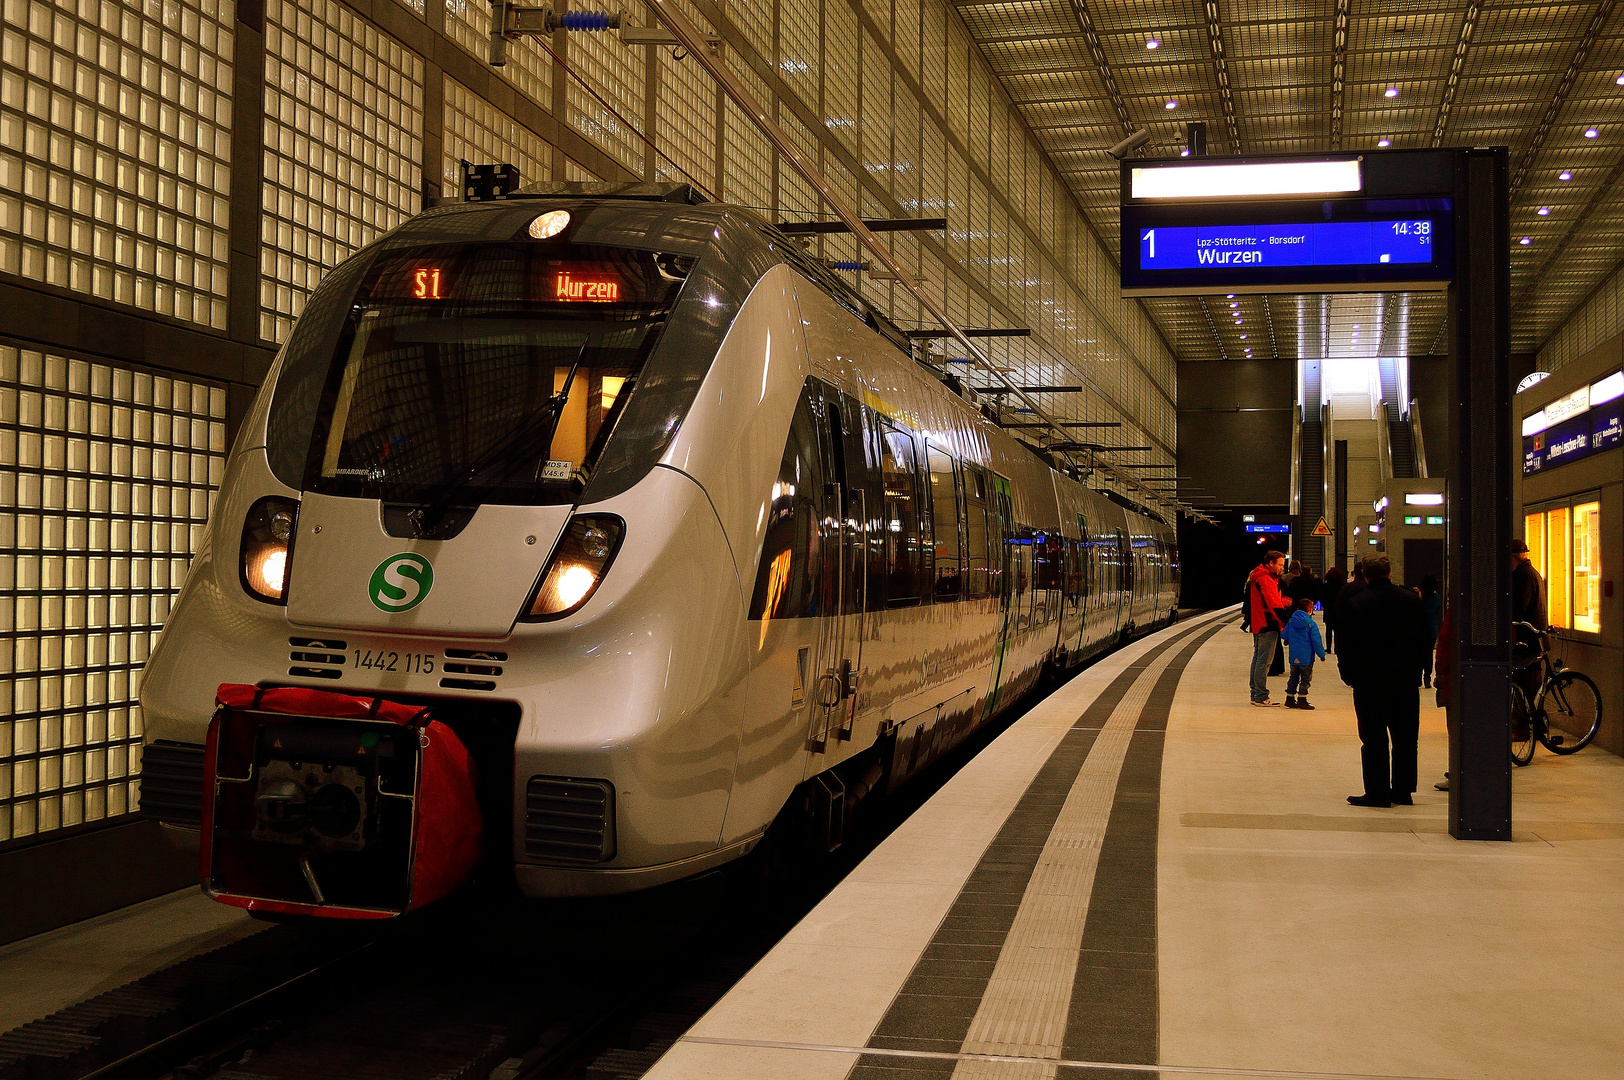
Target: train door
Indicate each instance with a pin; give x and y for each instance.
(1115, 553)
(1003, 529)
(843, 516)
(1085, 584)
(1125, 568)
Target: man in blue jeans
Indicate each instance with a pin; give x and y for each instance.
(1264, 605)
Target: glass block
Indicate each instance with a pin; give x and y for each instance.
(73, 517)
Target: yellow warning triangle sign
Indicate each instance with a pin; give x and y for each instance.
(1321, 529)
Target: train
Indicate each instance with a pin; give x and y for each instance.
(651, 515)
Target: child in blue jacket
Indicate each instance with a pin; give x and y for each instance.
(1303, 644)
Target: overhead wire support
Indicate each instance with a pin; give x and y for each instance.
(677, 22)
(808, 228)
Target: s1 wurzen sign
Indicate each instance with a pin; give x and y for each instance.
(1352, 243)
(1342, 225)
(1388, 221)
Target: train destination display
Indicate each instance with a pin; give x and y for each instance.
(1336, 243)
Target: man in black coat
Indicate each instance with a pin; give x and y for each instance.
(1384, 643)
(1527, 606)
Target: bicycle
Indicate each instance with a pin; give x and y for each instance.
(1567, 708)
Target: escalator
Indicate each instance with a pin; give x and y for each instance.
(1400, 441)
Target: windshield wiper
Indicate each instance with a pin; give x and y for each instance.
(535, 430)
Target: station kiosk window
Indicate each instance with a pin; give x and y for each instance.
(1564, 544)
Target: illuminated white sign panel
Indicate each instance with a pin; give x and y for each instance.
(1423, 498)
(1573, 404)
(1608, 389)
(1231, 181)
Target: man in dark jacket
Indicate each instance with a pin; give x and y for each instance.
(1384, 642)
(1527, 606)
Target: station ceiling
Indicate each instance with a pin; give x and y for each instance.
(1286, 76)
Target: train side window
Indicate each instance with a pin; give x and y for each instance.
(788, 580)
(944, 515)
(901, 518)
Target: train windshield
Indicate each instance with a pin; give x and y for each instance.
(496, 371)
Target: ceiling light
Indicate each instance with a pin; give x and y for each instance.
(1229, 296)
(1545, 211)
(1243, 337)
(1384, 142)
(1172, 104)
(1356, 326)
(1525, 241)
(1179, 181)
(1591, 133)
(1185, 152)
(1620, 80)
(1392, 91)
(1239, 322)
(1564, 175)
(1153, 44)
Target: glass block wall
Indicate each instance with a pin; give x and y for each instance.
(1599, 319)
(343, 155)
(115, 148)
(476, 131)
(107, 476)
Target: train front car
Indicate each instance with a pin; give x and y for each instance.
(470, 484)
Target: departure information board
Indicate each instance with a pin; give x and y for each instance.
(1329, 245)
(1349, 243)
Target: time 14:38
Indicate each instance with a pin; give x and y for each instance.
(1412, 228)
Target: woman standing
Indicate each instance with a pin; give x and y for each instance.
(1335, 578)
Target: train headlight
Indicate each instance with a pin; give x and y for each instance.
(267, 545)
(578, 564)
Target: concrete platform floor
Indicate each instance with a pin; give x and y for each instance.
(1295, 935)
(51, 971)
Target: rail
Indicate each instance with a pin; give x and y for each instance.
(1333, 512)
(1416, 440)
(1297, 463)
(1384, 441)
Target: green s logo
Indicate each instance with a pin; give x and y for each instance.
(400, 583)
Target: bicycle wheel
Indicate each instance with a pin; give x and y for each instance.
(1572, 708)
(1522, 727)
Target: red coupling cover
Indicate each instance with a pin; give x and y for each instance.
(329, 804)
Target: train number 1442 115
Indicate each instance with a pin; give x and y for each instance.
(409, 663)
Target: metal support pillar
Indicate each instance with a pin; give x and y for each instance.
(1341, 538)
(1479, 505)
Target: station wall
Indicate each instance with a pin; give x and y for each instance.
(177, 175)
(1235, 424)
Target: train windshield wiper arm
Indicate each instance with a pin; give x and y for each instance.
(533, 430)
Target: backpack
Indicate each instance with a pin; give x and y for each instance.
(1246, 605)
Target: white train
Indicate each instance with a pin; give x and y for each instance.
(656, 514)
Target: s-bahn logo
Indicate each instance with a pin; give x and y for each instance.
(400, 583)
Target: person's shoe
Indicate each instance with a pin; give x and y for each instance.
(1302, 703)
(1401, 799)
(1291, 702)
(1267, 704)
(1442, 785)
(1367, 800)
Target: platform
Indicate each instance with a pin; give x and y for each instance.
(1146, 875)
